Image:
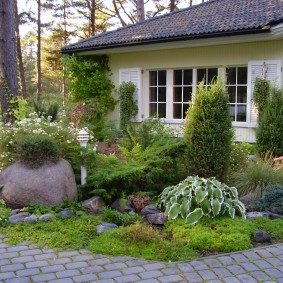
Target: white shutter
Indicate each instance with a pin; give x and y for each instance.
(133, 75)
(267, 69)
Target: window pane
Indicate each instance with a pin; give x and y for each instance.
(185, 109)
(232, 112)
(153, 94)
(162, 94)
(153, 78)
(232, 94)
(187, 94)
(161, 77)
(242, 75)
(212, 74)
(162, 110)
(242, 94)
(177, 77)
(152, 109)
(177, 94)
(177, 111)
(231, 75)
(241, 113)
(200, 75)
(188, 77)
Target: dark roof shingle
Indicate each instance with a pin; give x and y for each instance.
(215, 17)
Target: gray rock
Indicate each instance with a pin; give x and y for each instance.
(49, 184)
(249, 201)
(46, 217)
(156, 218)
(119, 204)
(272, 215)
(66, 212)
(129, 207)
(18, 217)
(149, 209)
(94, 205)
(31, 219)
(105, 226)
(255, 214)
(262, 237)
(14, 211)
(252, 157)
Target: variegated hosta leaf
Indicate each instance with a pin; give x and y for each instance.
(201, 193)
(233, 191)
(193, 203)
(232, 212)
(167, 190)
(206, 206)
(217, 193)
(174, 211)
(216, 206)
(173, 199)
(194, 216)
(185, 208)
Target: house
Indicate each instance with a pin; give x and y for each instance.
(167, 56)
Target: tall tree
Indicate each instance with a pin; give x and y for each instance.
(8, 58)
(140, 10)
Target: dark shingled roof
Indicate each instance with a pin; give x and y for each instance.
(213, 18)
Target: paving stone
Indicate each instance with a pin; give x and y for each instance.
(68, 254)
(62, 260)
(249, 266)
(121, 258)
(154, 266)
(136, 262)
(170, 279)
(235, 269)
(148, 281)
(85, 278)
(12, 267)
(43, 277)
(82, 257)
(45, 256)
(22, 259)
(31, 252)
(232, 280)
(127, 278)
(16, 248)
(222, 272)
(273, 272)
(5, 261)
(39, 263)
(91, 269)
(100, 261)
(104, 281)
(193, 277)
(18, 280)
(52, 268)
(239, 258)
(211, 262)
(109, 274)
(262, 264)
(74, 265)
(7, 275)
(151, 274)
(274, 250)
(132, 270)
(114, 266)
(251, 255)
(199, 265)
(274, 261)
(246, 278)
(259, 276)
(64, 280)
(28, 272)
(8, 255)
(264, 253)
(67, 273)
(226, 260)
(207, 274)
(215, 281)
(185, 267)
(170, 271)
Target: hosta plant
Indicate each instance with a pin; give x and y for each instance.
(196, 197)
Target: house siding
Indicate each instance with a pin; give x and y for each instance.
(193, 57)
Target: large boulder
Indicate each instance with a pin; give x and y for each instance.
(49, 184)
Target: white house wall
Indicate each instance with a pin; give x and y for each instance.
(192, 57)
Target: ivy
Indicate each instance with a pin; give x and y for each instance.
(261, 94)
(128, 107)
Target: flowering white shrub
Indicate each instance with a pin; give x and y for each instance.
(64, 135)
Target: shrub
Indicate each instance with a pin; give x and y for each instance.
(257, 176)
(50, 111)
(270, 128)
(272, 199)
(34, 150)
(208, 131)
(128, 107)
(197, 197)
(261, 94)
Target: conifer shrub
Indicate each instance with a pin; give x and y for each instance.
(270, 127)
(208, 131)
(261, 94)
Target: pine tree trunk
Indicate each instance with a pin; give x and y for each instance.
(140, 10)
(39, 50)
(8, 59)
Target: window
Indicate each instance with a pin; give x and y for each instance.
(157, 93)
(182, 92)
(236, 82)
(208, 74)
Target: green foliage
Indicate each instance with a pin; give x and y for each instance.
(20, 111)
(4, 213)
(89, 79)
(197, 197)
(270, 128)
(239, 154)
(272, 199)
(257, 176)
(34, 150)
(128, 107)
(208, 131)
(119, 218)
(261, 94)
(43, 111)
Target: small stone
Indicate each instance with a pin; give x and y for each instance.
(18, 217)
(261, 236)
(156, 218)
(14, 211)
(149, 209)
(46, 217)
(118, 204)
(94, 205)
(105, 226)
(255, 214)
(66, 212)
(275, 215)
(31, 219)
